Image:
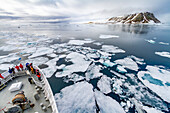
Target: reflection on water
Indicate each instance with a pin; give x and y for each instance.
(135, 29)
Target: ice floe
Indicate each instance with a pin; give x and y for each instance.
(79, 42)
(79, 64)
(93, 71)
(112, 49)
(49, 71)
(150, 41)
(108, 36)
(108, 63)
(163, 54)
(164, 43)
(138, 60)
(107, 104)
(74, 78)
(6, 66)
(121, 69)
(157, 80)
(151, 110)
(77, 98)
(9, 58)
(128, 63)
(97, 43)
(104, 84)
(41, 51)
(36, 61)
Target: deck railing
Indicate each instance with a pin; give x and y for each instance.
(48, 91)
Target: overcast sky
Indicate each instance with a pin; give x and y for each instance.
(79, 10)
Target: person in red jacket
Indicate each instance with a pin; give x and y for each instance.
(21, 66)
(17, 67)
(1, 76)
(38, 75)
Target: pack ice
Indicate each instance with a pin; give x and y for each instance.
(158, 80)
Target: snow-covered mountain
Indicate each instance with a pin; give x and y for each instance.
(137, 18)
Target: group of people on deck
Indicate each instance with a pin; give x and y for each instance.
(21, 68)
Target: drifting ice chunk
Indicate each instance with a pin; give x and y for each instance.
(8, 58)
(79, 64)
(41, 51)
(97, 43)
(108, 36)
(117, 86)
(151, 41)
(128, 63)
(93, 72)
(28, 50)
(52, 55)
(79, 42)
(163, 54)
(107, 63)
(74, 78)
(138, 60)
(78, 98)
(107, 104)
(151, 110)
(163, 43)
(104, 84)
(37, 61)
(112, 49)
(121, 69)
(6, 66)
(156, 79)
(49, 71)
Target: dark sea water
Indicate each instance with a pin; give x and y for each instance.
(141, 41)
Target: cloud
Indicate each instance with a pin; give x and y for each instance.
(81, 9)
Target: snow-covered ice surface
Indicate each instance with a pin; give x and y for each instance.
(112, 49)
(164, 43)
(163, 54)
(107, 104)
(79, 42)
(104, 84)
(158, 80)
(41, 51)
(78, 98)
(108, 36)
(128, 63)
(79, 64)
(150, 41)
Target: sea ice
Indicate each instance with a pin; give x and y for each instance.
(52, 55)
(104, 84)
(163, 54)
(74, 78)
(138, 60)
(128, 63)
(156, 79)
(107, 63)
(49, 71)
(79, 64)
(97, 43)
(151, 110)
(77, 98)
(121, 69)
(150, 41)
(79, 42)
(112, 49)
(108, 36)
(9, 58)
(37, 61)
(164, 43)
(6, 66)
(41, 51)
(107, 104)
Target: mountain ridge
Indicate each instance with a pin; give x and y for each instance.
(142, 17)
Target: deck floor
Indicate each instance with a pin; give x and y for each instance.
(6, 96)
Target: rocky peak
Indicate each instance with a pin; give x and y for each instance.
(145, 17)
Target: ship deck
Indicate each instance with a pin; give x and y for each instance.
(29, 90)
